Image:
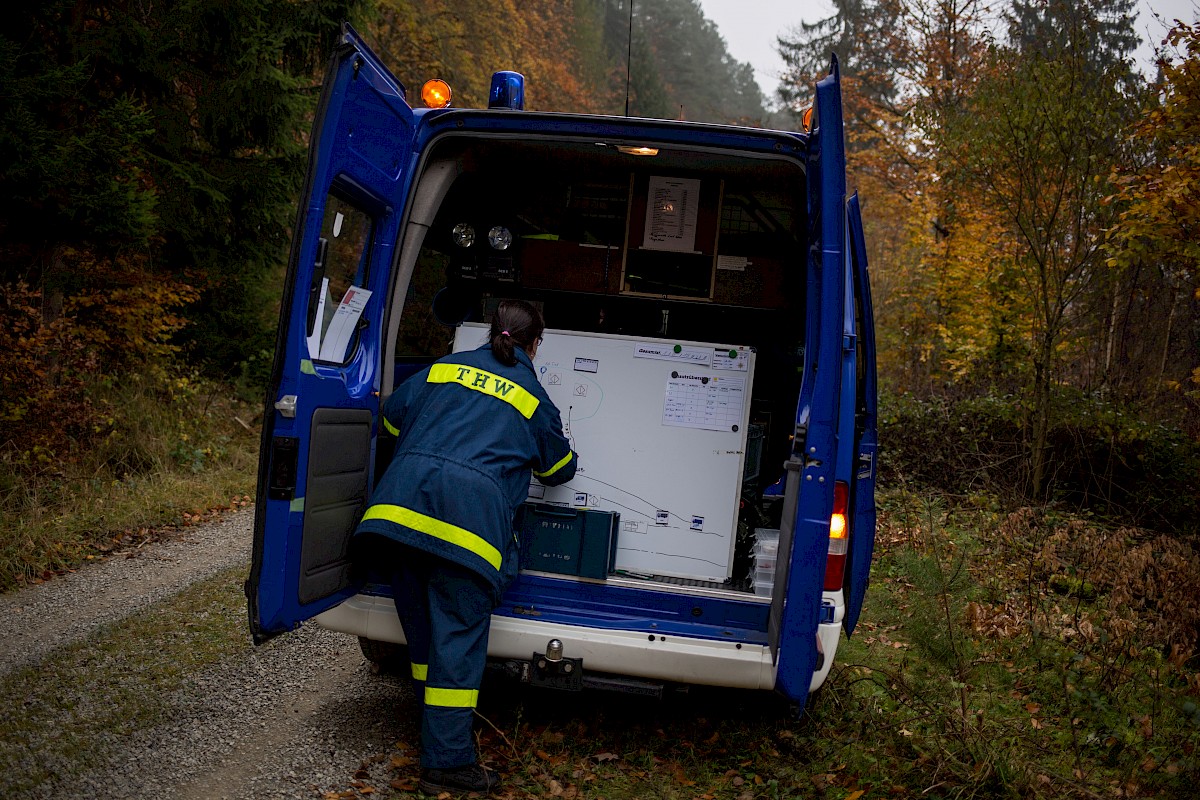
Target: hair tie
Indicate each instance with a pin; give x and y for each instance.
(505, 333)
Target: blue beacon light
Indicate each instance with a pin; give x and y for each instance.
(508, 91)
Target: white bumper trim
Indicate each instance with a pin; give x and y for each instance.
(666, 657)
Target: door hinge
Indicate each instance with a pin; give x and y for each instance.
(286, 406)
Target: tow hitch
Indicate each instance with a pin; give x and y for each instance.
(555, 671)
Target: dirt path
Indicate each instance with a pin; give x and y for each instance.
(36, 619)
(298, 717)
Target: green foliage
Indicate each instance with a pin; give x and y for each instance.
(71, 163)
(1020, 692)
(857, 32)
(1032, 140)
(171, 131)
(1107, 457)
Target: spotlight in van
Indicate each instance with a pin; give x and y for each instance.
(500, 238)
(464, 235)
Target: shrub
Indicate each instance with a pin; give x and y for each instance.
(1104, 457)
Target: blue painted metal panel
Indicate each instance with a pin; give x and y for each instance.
(361, 144)
(862, 519)
(635, 609)
(818, 411)
(603, 129)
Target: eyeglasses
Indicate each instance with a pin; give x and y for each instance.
(539, 340)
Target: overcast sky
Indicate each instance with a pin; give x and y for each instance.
(750, 28)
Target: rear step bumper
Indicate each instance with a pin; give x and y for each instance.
(677, 659)
(674, 659)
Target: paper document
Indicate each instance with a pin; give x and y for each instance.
(314, 339)
(345, 320)
(712, 403)
(671, 208)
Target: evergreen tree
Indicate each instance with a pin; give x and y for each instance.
(691, 60)
(173, 131)
(72, 171)
(858, 33)
(677, 61)
(1101, 31)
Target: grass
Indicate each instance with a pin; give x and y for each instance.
(64, 713)
(175, 451)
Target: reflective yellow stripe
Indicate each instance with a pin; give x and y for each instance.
(436, 528)
(562, 463)
(419, 671)
(487, 383)
(390, 428)
(451, 698)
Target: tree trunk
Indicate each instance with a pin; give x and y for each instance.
(1038, 457)
(1107, 379)
(1166, 349)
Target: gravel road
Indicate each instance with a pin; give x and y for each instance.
(297, 717)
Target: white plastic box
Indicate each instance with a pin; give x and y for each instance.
(766, 546)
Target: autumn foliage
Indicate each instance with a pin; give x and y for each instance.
(1030, 204)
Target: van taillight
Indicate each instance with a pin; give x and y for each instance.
(839, 538)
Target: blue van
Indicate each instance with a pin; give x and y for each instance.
(705, 290)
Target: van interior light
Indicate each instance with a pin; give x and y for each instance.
(500, 238)
(464, 234)
(638, 151)
(436, 93)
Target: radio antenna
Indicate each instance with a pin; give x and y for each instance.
(628, 57)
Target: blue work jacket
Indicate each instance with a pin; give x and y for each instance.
(469, 432)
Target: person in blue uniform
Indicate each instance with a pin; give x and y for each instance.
(470, 429)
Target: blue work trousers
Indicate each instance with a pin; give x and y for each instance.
(445, 610)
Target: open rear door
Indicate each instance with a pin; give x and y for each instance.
(315, 460)
(796, 606)
(866, 436)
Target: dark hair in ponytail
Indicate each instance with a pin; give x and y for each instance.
(515, 324)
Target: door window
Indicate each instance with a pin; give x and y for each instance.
(337, 297)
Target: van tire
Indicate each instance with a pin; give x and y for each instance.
(383, 657)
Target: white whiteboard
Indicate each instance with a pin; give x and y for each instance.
(660, 429)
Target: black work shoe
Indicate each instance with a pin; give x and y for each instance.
(469, 778)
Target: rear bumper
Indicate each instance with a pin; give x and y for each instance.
(676, 659)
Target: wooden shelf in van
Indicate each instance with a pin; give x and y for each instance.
(570, 266)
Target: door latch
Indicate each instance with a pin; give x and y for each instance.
(286, 406)
(285, 451)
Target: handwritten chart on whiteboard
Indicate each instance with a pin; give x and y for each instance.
(660, 428)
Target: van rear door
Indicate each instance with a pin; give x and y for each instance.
(314, 465)
(804, 537)
(866, 436)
